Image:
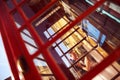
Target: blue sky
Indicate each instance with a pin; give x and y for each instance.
(4, 66)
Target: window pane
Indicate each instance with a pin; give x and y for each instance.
(58, 51)
(66, 61)
(63, 47)
(18, 19)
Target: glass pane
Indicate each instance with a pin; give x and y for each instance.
(63, 47)
(27, 10)
(58, 41)
(68, 33)
(87, 46)
(60, 24)
(30, 48)
(43, 68)
(81, 64)
(66, 62)
(92, 41)
(96, 56)
(51, 31)
(48, 78)
(27, 38)
(70, 41)
(47, 34)
(17, 19)
(58, 51)
(83, 34)
(29, 42)
(102, 51)
(106, 74)
(75, 74)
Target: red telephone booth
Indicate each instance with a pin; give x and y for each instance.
(39, 36)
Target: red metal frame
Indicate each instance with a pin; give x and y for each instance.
(15, 47)
(54, 67)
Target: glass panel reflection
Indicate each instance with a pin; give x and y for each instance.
(109, 73)
(29, 42)
(17, 19)
(43, 68)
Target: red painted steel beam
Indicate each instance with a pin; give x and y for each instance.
(105, 63)
(15, 44)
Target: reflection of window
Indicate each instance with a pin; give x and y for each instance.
(66, 61)
(82, 49)
(63, 47)
(43, 68)
(60, 24)
(17, 19)
(108, 12)
(57, 49)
